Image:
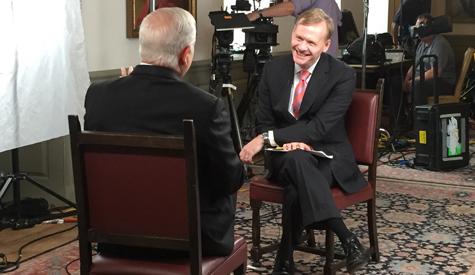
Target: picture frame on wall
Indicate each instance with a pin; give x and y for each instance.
(136, 11)
(460, 11)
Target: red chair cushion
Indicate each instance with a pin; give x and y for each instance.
(105, 264)
(265, 190)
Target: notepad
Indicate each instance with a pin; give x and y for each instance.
(313, 152)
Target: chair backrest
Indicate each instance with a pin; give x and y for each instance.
(463, 71)
(136, 189)
(362, 125)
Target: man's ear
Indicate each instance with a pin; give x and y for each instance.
(327, 45)
(184, 53)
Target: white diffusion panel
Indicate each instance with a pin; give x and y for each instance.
(43, 70)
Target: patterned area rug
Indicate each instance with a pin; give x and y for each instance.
(422, 228)
(53, 262)
(396, 167)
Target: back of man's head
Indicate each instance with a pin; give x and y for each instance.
(164, 34)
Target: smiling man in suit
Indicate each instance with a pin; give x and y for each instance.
(154, 99)
(303, 98)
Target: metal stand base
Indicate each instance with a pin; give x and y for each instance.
(16, 221)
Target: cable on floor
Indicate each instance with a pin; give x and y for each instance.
(12, 266)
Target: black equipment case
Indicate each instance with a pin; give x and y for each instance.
(441, 131)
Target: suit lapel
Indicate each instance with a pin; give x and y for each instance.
(285, 79)
(314, 89)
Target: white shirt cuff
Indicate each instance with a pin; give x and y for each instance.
(271, 139)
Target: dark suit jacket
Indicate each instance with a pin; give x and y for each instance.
(154, 99)
(322, 113)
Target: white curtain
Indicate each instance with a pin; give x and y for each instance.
(43, 70)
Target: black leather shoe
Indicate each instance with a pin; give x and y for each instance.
(282, 267)
(356, 257)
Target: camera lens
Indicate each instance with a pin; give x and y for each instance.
(261, 37)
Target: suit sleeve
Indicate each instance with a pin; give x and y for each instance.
(226, 170)
(88, 105)
(332, 111)
(266, 120)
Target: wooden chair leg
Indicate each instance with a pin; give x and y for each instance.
(329, 253)
(310, 237)
(256, 230)
(240, 270)
(372, 230)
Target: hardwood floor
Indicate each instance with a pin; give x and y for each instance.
(12, 240)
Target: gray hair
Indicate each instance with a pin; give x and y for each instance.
(164, 34)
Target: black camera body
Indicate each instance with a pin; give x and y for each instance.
(241, 5)
(264, 34)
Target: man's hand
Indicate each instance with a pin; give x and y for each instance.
(296, 145)
(123, 72)
(251, 149)
(253, 16)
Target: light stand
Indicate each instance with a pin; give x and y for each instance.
(151, 6)
(365, 37)
(16, 221)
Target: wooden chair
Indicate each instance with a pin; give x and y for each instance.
(142, 190)
(460, 81)
(362, 123)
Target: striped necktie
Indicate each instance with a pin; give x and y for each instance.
(299, 92)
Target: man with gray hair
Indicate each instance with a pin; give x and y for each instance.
(154, 99)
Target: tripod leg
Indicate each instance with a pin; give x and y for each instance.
(5, 187)
(245, 101)
(52, 193)
(17, 198)
(234, 123)
(247, 110)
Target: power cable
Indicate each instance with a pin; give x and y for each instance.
(12, 266)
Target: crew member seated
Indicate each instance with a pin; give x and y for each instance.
(432, 44)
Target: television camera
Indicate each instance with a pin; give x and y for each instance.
(440, 24)
(260, 35)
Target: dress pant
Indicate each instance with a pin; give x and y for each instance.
(307, 182)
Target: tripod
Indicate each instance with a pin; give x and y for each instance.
(247, 108)
(16, 221)
(221, 69)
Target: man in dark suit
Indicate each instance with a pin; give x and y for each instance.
(316, 121)
(154, 99)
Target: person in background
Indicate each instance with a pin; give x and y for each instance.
(297, 7)
(434, 44)
(303, 98)
(405, 17)
(154, 99)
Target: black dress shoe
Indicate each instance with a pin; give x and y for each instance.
(356, 257)
(282, 267)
